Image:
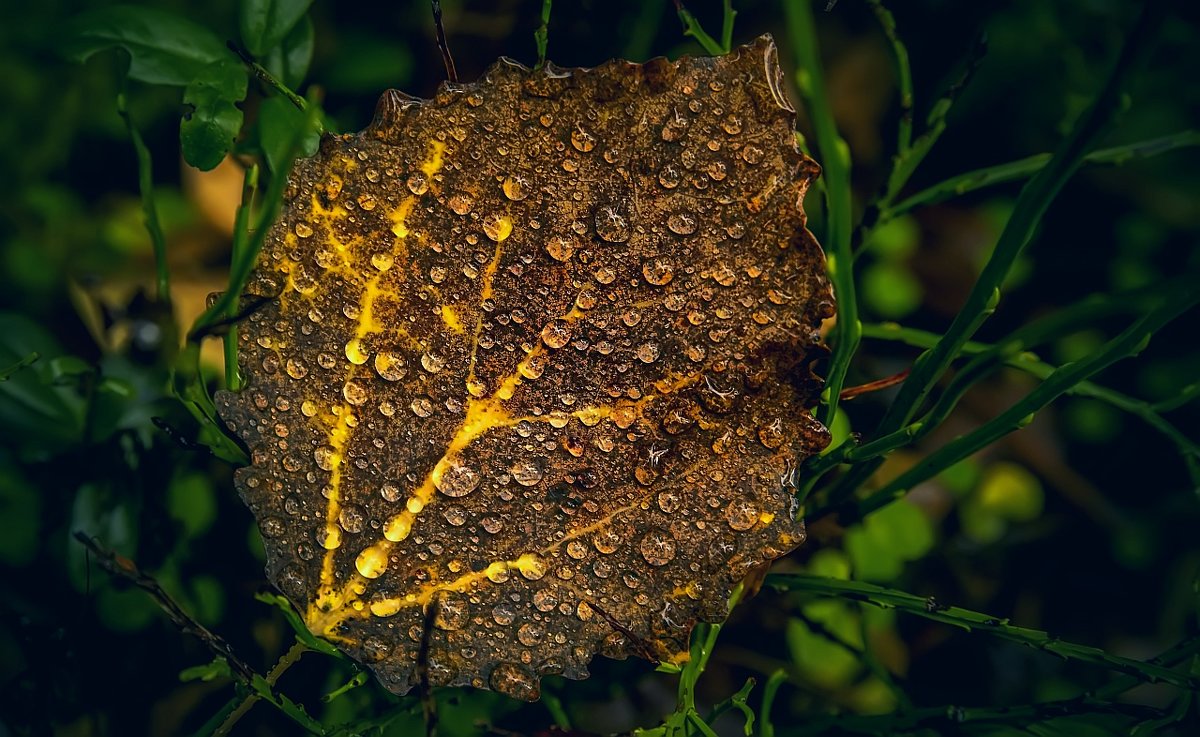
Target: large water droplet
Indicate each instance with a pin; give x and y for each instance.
(452, 613)
(682, 223)
(514, 681)
(611, 224)
(390, 366)
(497, 227)
(418, 183)
(457, 480)
(658, 271)
(657, 547)
(526, 472)
(516, 187)
(741, 514)
(582, 140)
(556, 334)
(669, 177)
(648, 352)
(560, 248)
(355, 392)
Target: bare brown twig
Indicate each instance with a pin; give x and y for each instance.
(122, 567)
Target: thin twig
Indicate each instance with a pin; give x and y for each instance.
(264, 76)
(874, 386)
(447, 59)
(124, 568)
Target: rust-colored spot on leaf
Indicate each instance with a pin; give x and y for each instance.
(538, 349)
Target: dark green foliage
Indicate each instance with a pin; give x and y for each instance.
(1026, 206)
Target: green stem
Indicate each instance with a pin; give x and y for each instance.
(23, 363)
(149, 208)
(835, 156)
(692, 27)
(542, 35)
(1027, 167)
(1030, 364)
(240, 268)
(972, 621)
(878, 669)
(727, 16)
(264, 76)
(1031, 206)
(241, 234)
(1128, 343)
(554, 705)
(1066, 320)
(903, 72)
(770, 690)
(1185, 395)
(290, 658)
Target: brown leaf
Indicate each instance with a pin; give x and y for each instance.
(539, 343)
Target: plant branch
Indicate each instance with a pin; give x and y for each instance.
(1030, 165)
(1027, 215)
(1128, 343)
(241, 234)
(124, 568)
(930, 608)
(260, 72)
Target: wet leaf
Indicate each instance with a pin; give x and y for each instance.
(163, 47)
(213, 119)
(533, 368)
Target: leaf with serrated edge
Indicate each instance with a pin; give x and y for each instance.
(535, 361)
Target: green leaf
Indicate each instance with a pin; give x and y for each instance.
(265, 23)
(20, 508)
(38, 415)
(890, 289)
(218, 668)
(278, 121)
(289, 60)
(886, 540)
(192, 502)
(208, 130)
(163, 47)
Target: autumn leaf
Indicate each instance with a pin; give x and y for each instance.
(533, 367)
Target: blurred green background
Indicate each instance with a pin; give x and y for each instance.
(1083, 524)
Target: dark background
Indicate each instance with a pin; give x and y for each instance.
(1083, 524)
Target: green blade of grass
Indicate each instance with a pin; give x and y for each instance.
(929, 608)
(835, 161)
(1031, 206)
(1030, 165)
(1129, 343)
